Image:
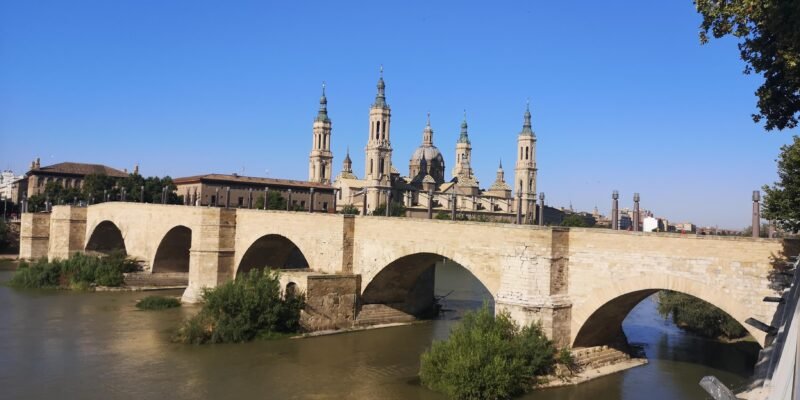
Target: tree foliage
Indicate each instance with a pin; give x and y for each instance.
(398, 209)
(697, 316)
(769, 42)
(782, 199)
(574, 220)
(487, 357)
(78, 272)
(350, 209)
(243, 309)
(276, 201)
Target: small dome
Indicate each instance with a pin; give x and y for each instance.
(431, 154)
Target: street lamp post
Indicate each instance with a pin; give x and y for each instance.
(541, 209)
(756, 214)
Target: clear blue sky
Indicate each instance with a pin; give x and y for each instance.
(623, 95)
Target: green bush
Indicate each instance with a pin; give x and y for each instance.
(487, 357)
(157, 303)
(350, 209)
(39, 274)
(243, 309)
(697, 316)
(398, 210)
(79, 271)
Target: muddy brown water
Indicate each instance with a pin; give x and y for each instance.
(78, 345)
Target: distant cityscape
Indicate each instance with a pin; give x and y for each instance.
(212, 189)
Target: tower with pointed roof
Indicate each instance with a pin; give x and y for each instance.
(378, 160)
(427, 159)
(525, 170)
(320, 160)
(463, 164)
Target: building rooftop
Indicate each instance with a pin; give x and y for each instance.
(74, 168)
(249, 180)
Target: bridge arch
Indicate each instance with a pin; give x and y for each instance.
(106, 238)
(172, 254)
(408, 283)
(274, 251)
(598, 320)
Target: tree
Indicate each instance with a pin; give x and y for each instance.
(769, 33)
(397, 210)
(276, 201)
(574, 220)
(350, 209)
(695, 315)
(782, 199)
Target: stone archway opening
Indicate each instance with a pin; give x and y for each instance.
(272, 251)
(172, 255)
(421, 285)
(106, 239)
(605, 326)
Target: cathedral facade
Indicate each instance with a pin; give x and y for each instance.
(425, 189)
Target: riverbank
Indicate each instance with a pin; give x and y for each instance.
(588, 374)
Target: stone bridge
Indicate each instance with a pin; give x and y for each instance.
(579, 283)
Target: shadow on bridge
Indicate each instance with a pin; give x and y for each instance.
(172, 254)
(105, 239)
(419, 284)
(272, 251)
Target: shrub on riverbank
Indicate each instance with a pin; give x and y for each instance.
(695, 315)
(78, 272)
(487, 357)
(243, 309)
(157, 303)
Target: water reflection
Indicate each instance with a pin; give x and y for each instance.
(98, 346)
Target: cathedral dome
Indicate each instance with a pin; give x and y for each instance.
(431, 153)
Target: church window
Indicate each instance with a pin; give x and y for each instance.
(370, 166)
(378, 130)
(526, 152)
(322, 173)
(520, 153)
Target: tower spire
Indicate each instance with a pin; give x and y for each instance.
(322, 115)
(464, 137)
(427, 133)
(526, 125)
(380, 97)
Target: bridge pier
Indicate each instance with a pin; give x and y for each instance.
(67, 231)
(534, 284)
(211, 257)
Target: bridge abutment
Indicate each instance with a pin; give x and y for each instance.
(34, 237)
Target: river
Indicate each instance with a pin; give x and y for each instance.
(81, 345)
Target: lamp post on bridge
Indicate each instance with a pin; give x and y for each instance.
(388, 201)
(266, 196)
(756, 214)
(615, 210)
(311, 200)
(519, 208)
(636, 212)
(541, 209)
(430, 203)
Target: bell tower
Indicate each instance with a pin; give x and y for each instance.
(378, 160)
(525, 170)
(462, 165)
(321, 158)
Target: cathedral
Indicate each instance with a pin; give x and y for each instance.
(425, 189)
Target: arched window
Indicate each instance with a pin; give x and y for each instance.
(378, 130)
(526, 152)
(520, 153)
(370, 166)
